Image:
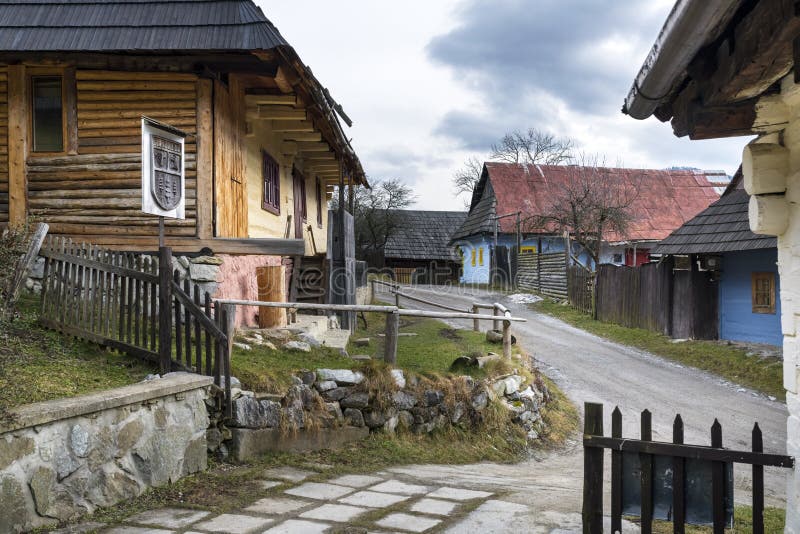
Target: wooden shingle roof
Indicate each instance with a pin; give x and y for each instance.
(423, 235)
(126, 25)
(722, 227)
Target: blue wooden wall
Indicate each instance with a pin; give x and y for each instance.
(737, 322)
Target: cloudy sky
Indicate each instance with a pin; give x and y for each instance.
(430, 82)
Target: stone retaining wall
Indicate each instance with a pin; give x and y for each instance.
(62, 459)
(331, 400)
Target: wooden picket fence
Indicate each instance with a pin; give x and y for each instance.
(136, 304)
(649, 453)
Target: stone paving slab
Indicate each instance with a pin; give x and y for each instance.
(292, 474)
(268, 484)
(493, 517)
(299, 526)
(80, 528)
(235, 524)
(411, 523)
(277, 505)
(169, 517)
(339, 513)
(395, 486)
(434, 507)
(459, 494)
(319, 491)
(136, 530)
(356, 481)
(373, 499)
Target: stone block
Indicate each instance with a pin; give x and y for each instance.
(354, 417)
(207, 260)
(356, 481)
(299, 526)
(276, 506)
(235, 524)
(250, 443)
(355, 400)
(373, 499)
(248, 412)
(338, 513)
(403, 400)
(14, 448)
(335, 395)
(401, 488)
(319, 491)
(200, 272)
(14, 513)
(458, 494)
(343, 377)
(434, 507)
(408, 522)
(374, 418)
(298, 346)
(399, 378)
(168, 517)
(325, 385)
(308, 377)
(433, 398)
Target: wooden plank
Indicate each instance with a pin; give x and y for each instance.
(134, 85)
(280, 100)
(187, 321)
(678, 481)
(718, 481)
(616, 473)
(17, 144)
(646, 461)
(86, 74)
(758, 483)
(177, 307)
(271, 287)
(210, 344)
(592, 512)
(145, 108)
(126, 97)
(198, 346)
(205, 159)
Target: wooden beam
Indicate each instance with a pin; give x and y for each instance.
(292, 126)
(285, 80)
(265, 100)
(320, 157)
(313, 147)
(17, 145)
(303, 136)
(722, 121)
(281, 113)
(289, 148)
(70, 112)
(205, 159)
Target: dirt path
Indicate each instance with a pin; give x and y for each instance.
(589, 368)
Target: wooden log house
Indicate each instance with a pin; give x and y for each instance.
(265, 146)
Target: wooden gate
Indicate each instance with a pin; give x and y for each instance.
(137, 305)
(580, 289)
(671, 482)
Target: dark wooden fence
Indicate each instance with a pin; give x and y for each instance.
(580, 289)
(136, 304)
(545, 273)
(672, 480)
(654, 296)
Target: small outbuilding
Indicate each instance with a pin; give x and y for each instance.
(745, 264)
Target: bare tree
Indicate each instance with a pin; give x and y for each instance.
(466, 178)
(531, 147)
(374, 219)
(592, 204)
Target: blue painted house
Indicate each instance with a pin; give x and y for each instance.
(744, 264)
(666, 199)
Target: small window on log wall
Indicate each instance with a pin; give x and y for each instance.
(320, 200)
(47, 120)
(271, 171)
(763, 292)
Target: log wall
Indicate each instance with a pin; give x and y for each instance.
(3, 145)
(98, 190)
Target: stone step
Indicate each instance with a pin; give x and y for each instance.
(336, 339)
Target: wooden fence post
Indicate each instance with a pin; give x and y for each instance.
(758, 484)
(646, 462)
(678, 481)
(229, 325)
(476, 323)
(396, 298)
(496, 322)
(165, 309)
(616, 473)
(392, 327)
(507, 338)
(593, 471)
(718, 481)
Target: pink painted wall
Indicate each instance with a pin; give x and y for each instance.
(238, 281)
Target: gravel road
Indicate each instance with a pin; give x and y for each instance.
(589, 368)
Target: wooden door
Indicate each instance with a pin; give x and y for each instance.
(299, 190)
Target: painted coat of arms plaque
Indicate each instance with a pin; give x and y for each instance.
(163, 176)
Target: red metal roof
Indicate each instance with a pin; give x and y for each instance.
(665, 199)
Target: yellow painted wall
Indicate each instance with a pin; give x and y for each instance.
(262, 223)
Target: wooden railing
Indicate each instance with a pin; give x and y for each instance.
(674, 475)
(393, 314)
(135, 304)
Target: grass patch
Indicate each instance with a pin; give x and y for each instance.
(433, 349)
(37, 364)
(730, 362)
(742, 522)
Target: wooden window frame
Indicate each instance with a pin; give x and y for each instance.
(273, 206)
(480, 256)
(755, 276)
(473, 257)
(69, 109)
(320, 197)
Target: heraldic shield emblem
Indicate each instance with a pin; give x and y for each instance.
(166, 172)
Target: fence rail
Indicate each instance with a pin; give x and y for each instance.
(137, 305)
(393, 314)
(676, 479)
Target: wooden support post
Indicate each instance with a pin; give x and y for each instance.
(507, 338)
(593, 471)
(646, 461)
(17, 145)
(476, 323)
(718, 481)
(678, 481)
(616, 473)
(271, 288)
(205, 159)
(165, 309)
(397, 299)
(496, 322)
(758, 484)
(392, 328)
(229, 324)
